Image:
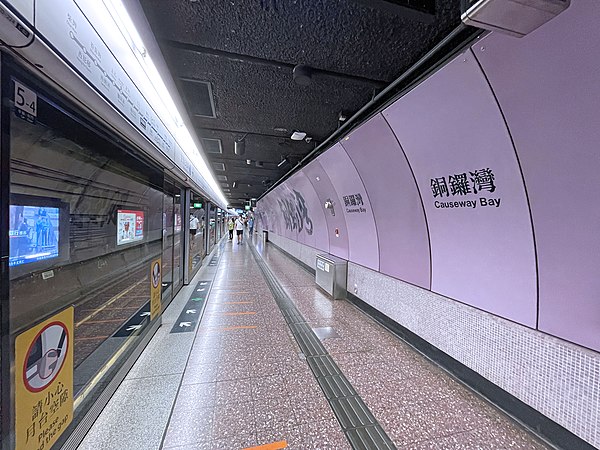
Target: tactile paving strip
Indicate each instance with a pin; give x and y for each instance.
(358, 423)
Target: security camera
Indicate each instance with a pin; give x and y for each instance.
(307, 139)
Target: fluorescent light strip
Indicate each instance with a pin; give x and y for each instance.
(155, 89)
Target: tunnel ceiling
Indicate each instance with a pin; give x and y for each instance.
(233, 63)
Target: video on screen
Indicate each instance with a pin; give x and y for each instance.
(33, 233)
(130, 226)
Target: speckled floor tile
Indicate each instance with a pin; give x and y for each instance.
(318, 435)
(311, 409)
(268, 387)
(232, 371)
(262, 390)
(112, 431)
(193, 396)
(206, 445)
(189, 426)
(416, 402)
(231, 421)
(274, 413)
(199, 373)
(233, 392)
(241, 441)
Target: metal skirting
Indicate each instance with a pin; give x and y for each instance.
(84, 425)
(358, 423)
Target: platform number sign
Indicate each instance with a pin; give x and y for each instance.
(25, 102)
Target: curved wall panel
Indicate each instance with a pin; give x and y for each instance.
(308, 201)
(455, 140)
(548, 87)
(274, 215)
(298, 224)
(336, 225)
(394, 197)
(353, 202)
(290, 226)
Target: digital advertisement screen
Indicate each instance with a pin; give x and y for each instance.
(130, 226)
(33, 233)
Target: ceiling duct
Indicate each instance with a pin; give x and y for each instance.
(513, 17)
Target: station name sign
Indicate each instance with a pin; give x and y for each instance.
(448, 190)
(354, 203)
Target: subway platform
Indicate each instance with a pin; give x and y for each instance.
(252, 355)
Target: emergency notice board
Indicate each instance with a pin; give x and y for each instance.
(44, 382)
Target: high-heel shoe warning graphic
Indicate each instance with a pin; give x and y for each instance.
(44, 382)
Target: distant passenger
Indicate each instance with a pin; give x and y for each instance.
(193, 225)
(231, 226)
(239, 227)
(251, 225)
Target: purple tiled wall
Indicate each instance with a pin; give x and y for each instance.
(393, 194)
(452, 132)
(548, 86)
(337, 231)
(353, 203)
(527, 110)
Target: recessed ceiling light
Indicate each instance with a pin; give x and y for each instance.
(298, 135)
(302, 75)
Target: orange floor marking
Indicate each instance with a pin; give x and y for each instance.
(273, 446)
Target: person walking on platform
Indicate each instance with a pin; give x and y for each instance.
(239, 227)
(231, 226)
(251, 225)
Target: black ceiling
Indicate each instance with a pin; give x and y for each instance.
(242, 53)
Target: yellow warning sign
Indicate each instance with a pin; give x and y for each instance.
(155, 288)
(44, 382)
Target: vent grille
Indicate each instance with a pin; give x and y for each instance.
(198, 97)
(221, 178)
(212, 145)
(219, 166)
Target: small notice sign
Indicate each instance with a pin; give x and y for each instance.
(44, 382)
(155, 288)
(25, 102)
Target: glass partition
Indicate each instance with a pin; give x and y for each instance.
(178, 240)
(197, 242)
(86, 221)
(172, 241)
(212, 224)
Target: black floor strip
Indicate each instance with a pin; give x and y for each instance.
(192, 310)
(358, 423)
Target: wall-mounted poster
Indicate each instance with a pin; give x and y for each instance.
(130, 226)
